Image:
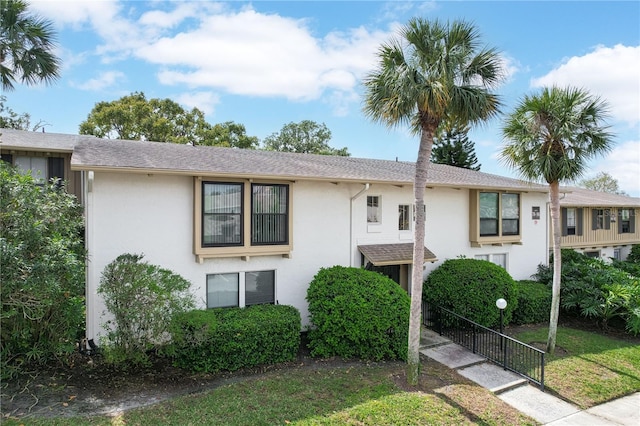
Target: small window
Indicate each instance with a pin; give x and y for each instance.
(259, 288)
(221, 214)
(35, 166)
(269, 214)
(222, 290)
(617, 254)
(600, 219)
(510, 214)
(593, 254)
(499, 259)
(571, 221)
(404, 219)
(482, 257)
(626, 223)
(373, 209)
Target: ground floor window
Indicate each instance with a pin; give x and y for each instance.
(594, 254)
(499, 259)
(240, 289)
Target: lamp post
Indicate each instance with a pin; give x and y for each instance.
(501, 304)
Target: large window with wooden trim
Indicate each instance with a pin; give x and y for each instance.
(495, 217)
(241, 218)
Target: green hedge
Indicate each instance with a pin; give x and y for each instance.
(228, 339)
(534, 303)
(356, 313)
(470, 287)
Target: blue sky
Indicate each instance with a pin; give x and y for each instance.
(264, 64)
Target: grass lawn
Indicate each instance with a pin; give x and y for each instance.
(588, 368)
(354, 394)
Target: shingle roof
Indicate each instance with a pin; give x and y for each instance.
(38, 141)
(217, 161)
(393, 254)
(90, 153)
(581, 197)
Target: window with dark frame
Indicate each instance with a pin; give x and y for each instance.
(373, 209)
(571, 221)
(404, 220)
(222, 214)
(488, 214)
(223, 290)
(510, 214)
(269, 214)
(625, 221)
(259, 288)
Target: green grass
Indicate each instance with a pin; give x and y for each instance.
(358, 395)
(588, 368)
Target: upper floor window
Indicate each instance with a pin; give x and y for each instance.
(601, 219)
(40, 168)
(223, 214)
(269, 214)
(499, 214)
(404, 217)
(571, 220)
(627, 221)
(374, 210)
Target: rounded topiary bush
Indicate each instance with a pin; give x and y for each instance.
(470, 287)
(356, 313)
(534, 302)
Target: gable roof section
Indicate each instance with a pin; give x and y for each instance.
(581, 197)
(20, 140)
(154, 157)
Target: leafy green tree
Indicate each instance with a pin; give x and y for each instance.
(42, 271)
(26, 45)
(134, 117)
(9, 119)
(452, 146)
(305, 137)
(602, 182)
(550, 137)
(432, 72)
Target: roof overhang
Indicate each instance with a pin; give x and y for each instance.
(393, 254)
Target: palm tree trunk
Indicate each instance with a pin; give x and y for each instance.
(554, 194)
(415, 316)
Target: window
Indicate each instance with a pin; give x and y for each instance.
(269, 214)
(601, 219)
(510, 214)
(222, 290)
(571, 219)
(259, 288)
(593, 254)
(222, 214)
(42, 169)
(223, 217)
(404, 219)
(499, 259)
(627, 221)
(488, 213)
(503, 209)
(617, 254)
(373, 209)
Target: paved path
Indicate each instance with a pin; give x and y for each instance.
(517, 392)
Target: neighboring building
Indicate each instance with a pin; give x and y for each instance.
(247, 226)
(44, 155)
(599, 224)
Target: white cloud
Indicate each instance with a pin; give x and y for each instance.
(103, 81)
(623, 163)
(609, 72)
(204, 101)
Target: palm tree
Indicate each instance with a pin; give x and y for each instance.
(432, 72)
(551, 137)
(26, 43)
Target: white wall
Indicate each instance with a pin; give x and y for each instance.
(153, 215)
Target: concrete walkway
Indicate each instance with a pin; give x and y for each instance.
(517, 392)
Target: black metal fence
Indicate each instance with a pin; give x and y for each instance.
(499, 348)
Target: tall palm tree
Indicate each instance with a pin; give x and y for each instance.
(26, 44)
(551, 137)
(431, 72)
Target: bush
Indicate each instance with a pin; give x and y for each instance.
(228, 339)
(595, 289)
(470, 287)
(634, 255)
(142, 300)
(534, 303)
(42, 271)
(357, 314)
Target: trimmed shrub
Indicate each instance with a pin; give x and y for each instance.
(470, 287)
(142, 299)
(634, 255)
(357, 314)
(228, 339)
(534, 303)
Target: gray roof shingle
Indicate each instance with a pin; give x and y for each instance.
(580, 197)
